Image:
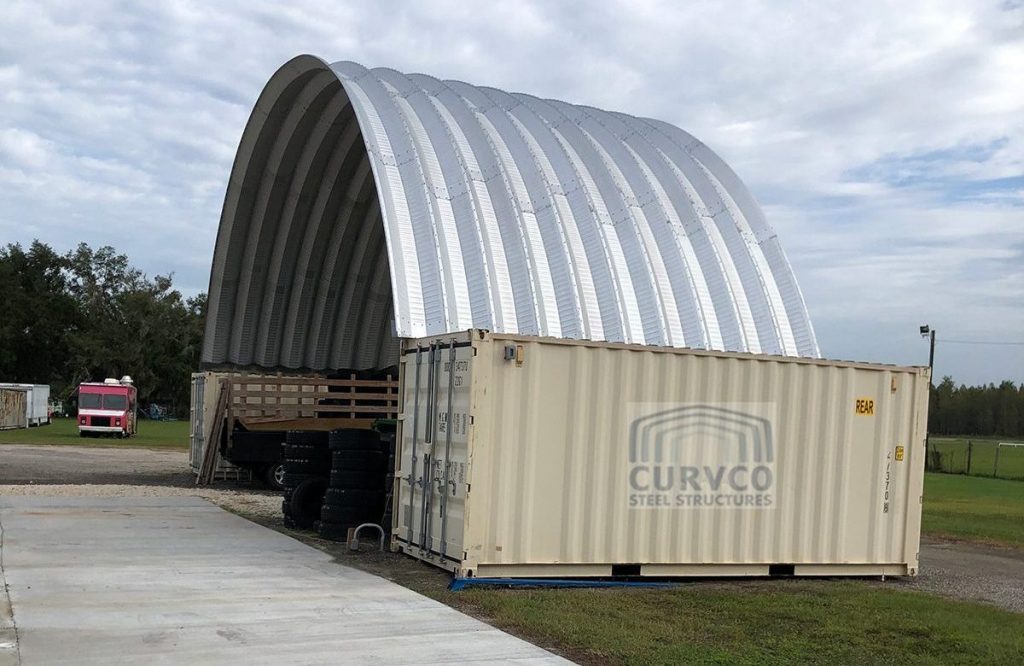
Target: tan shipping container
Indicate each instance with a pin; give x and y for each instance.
(556, 458)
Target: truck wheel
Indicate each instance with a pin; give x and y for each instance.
(273, 475)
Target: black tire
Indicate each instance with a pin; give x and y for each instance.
(307, 437)
(358, 461)
(273, 476)
(293, 480)
(355, 499)
(286, 506)
(307, 498)
(301, 466)
(357, 480)
(289, 522)
(343, 515)
(305, 451)
(353, 439)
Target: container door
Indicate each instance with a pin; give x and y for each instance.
(434, 453)
(196, 421)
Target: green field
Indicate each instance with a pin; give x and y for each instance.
(766, 622)
(974, 508)
(953, 456)
(172, 434)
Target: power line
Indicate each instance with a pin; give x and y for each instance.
(980, 342)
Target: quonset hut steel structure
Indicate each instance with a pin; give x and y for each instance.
(367, 205)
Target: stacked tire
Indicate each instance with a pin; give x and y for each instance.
(356, 491)
(307, 464)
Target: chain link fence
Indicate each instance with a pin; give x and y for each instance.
(976, 457)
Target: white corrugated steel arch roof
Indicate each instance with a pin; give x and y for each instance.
(366, 205)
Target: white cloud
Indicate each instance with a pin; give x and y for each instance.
(873, 133)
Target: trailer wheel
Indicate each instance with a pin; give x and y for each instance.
(307, 498)
(273, 475)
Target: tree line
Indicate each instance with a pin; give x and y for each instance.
(88, 314)
(977, 410)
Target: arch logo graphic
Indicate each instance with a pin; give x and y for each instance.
(702, 456)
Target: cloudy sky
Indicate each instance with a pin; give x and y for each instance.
(885, 141)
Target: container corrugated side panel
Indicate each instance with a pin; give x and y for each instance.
(12, 408)
(550, 464)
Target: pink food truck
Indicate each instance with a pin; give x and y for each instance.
(107, 408)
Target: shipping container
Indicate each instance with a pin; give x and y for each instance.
(13, 410)
(541, 457)
(37, 402)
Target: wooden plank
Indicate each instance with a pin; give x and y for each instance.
(318, 395)
(289, 381)
(310, 413)
(320, 424)
(311, 410)
(207, 468)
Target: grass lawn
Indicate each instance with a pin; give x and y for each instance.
(171, 434)
(974, 508)
(983, 456)
(766, 622)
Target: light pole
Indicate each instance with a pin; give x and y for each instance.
(928, 332)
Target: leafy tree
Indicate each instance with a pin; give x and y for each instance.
(39, 316)
(88, 315)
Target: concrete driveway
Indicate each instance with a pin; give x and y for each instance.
(95, 580)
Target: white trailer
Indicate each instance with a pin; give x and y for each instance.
(37, 402)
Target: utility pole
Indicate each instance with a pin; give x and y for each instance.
(929, 332)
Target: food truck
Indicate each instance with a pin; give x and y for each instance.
(107, 408)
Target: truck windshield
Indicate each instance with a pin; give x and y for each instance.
(118, 402)
(88, 400)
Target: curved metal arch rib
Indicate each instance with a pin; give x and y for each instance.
(366, 205)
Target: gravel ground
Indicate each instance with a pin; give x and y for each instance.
(971, 571)
(122, 471)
